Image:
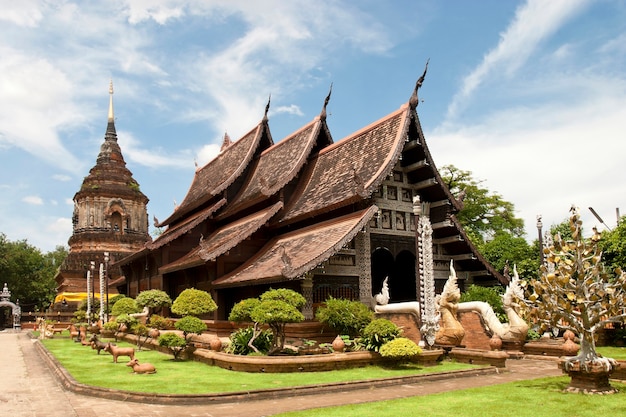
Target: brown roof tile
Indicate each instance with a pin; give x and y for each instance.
(220, 172)
(223, 239)
(288, 256)
(351, 169)
(175, 231)
(279, 164)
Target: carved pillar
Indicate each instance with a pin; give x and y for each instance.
(306, 286)
(364, 266)
(428, 305)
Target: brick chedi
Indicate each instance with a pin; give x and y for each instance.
(110, 215)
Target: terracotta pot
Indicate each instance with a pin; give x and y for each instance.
(569, 335)
(338, 344)
(154, 333)
(215, 344)
(495, 343)
(570, 348)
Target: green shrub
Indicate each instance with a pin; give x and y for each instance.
(400, 349)
(242, 311)
(489, 295)
(275, 308)
(189, 325)
(533, 335)
(239, 341)
(193, 302)
(283, 294)
(153, 299)
(111, 326)
(345, 316)
(379, 332)
(127, 320)
(124, 306)
(160, 322)
(175, 343)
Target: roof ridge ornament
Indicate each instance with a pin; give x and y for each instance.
(226, 142)
(111, 116)
(326, 100)
(414, 100)
(267, 108)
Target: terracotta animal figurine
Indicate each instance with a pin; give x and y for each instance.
(119, 351)
(144, 368)
(96, 344)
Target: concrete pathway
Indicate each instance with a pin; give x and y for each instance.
(28, 388)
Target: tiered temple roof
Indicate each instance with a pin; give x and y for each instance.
(262, 213)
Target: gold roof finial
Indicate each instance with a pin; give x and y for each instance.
(111, 101)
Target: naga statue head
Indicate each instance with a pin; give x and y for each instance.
(514, 291)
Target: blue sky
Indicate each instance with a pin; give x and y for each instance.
(528, 95)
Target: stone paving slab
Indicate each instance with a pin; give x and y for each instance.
(29, 388)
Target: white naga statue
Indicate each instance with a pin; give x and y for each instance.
(451, 331)
(383, 306)
(517, 328)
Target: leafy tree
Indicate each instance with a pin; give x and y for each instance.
(613, 244)
(28, 273)
(274, 308)
(193, 302)
(344, 316)
(190, 325)
(574, 292)
(484, 212)
(242, 312)
(125, 305)
(505, 249)
(153, 299)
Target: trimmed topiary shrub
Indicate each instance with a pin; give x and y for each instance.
(193, 302)
(190, 325)
(345, 316)
(175, 343)
(400, 349)
(125, 305)
(379, 332)
(153, 299)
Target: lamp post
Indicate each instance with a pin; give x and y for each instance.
(539, 231)
(93, 289)
(106, 277)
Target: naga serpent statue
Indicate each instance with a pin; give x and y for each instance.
(451, 331)
(517, 328)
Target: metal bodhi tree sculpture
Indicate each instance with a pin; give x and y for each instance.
(575, 292)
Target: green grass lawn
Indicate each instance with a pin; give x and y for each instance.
(535, 398)
(614, 352)
(190, 377)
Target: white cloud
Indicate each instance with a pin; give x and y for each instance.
(292, 109)
(207, 152)
(546, 158)
(62, 177)
(69, 201)
(33, 199)
(154, 158)
(534, 22)
(21, 13)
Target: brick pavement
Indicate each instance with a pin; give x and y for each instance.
(29, 388)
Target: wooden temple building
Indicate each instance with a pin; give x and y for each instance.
(110, 216)
(321, 217)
